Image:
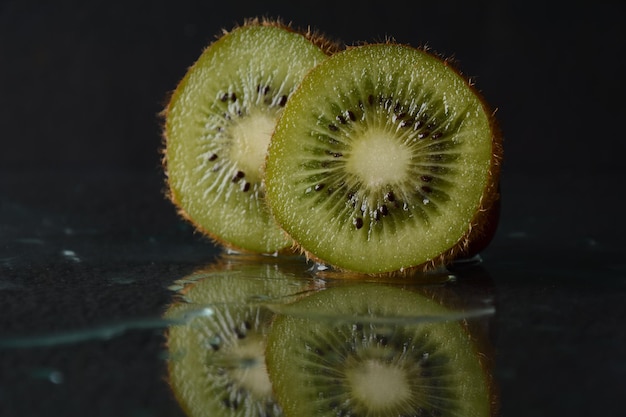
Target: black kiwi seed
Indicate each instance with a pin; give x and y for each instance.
(333, 128)
(319, 187)
(238, 175)
(423, 135)
(436, 135)
(341, 119)
(383, 210)
(351, 115)
(240, 333)
(213, 157)
(390, 197)
(246, 187)
(282, 101)
(262, 89)
(358, 222)
(426, 178)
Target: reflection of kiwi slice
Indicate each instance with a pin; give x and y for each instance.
(385, 158)
(374, 350)
(218, 125)
(217, 344)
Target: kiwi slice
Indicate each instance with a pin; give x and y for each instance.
(375, 350)
(218, 124)
(385, 158)
(216, 343)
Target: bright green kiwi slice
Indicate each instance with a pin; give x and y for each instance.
(218, 125)
(385, 158)
(370, 350)
(216, 344)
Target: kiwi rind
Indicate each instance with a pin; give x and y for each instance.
(234, 219)
(327, 328)
(219, 324)
(474, 234)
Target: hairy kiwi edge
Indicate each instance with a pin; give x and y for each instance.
(325, 43)
(482, 227)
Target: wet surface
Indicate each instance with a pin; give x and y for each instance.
(90, 263)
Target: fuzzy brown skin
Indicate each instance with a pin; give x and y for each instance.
(327, 45)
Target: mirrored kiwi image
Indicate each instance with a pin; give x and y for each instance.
(272, 338)
(376, 350)
(216, 342)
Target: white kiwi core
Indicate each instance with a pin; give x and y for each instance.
(378, 158)
(251, 372)
(251, 137)
(379, 385)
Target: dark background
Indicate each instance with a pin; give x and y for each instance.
(81, 83)
(87, 240)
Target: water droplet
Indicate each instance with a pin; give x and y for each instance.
(71, 255)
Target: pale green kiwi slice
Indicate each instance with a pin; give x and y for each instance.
(385, 158)
(216, 343)
(218, 125)
(372, 350)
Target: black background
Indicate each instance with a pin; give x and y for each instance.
(81, 87)
(82, 83)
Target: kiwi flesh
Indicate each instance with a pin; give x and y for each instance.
(385, 158)
(216, 343)
(375, 350)
(218, 124)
